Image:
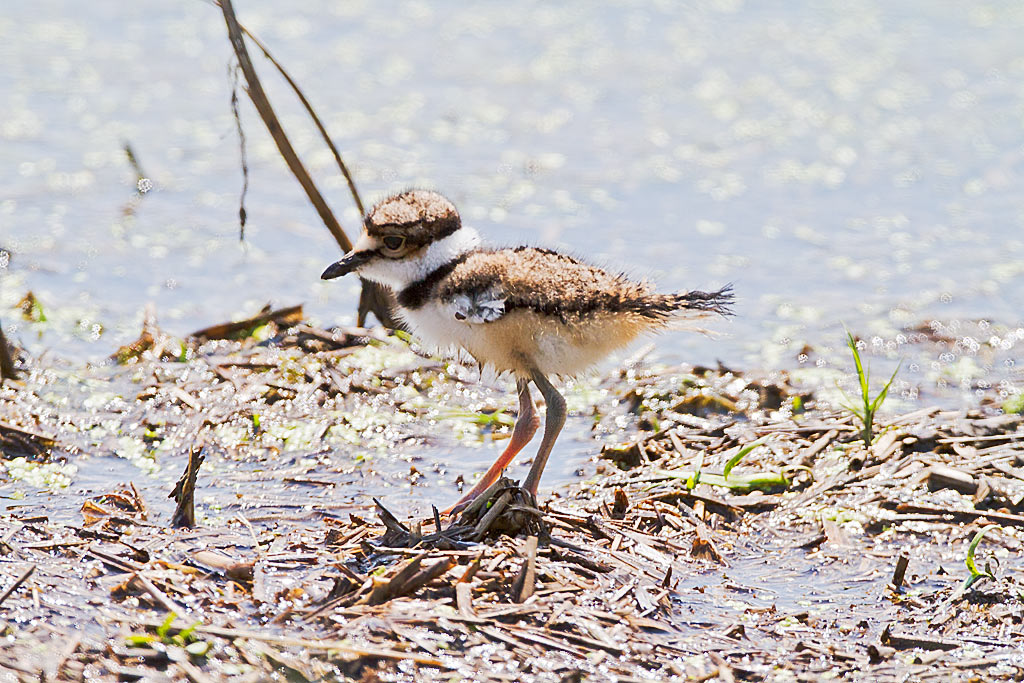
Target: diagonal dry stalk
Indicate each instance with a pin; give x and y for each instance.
(313, 115)
(7, 370)
(374, 298)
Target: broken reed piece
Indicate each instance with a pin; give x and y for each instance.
(7, 369)
(374, 298)
(979, 488)
(20, 580)
(943, 477)
(492, 514)
(282, 317)
(525, 583)
(184, 491)
(240, 572)
(900, 572)
(409, 579)
(910, 641)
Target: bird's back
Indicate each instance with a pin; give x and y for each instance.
(545, 282)
(517, 307)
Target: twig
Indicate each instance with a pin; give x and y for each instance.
(134, 161)
(374, 298)
(114, 561)
(424, 577)
(471, 570)
(14, 586)
(900, 572)
(159, 595)
(184, 490)
(7, 370)
(1001, 518)
(243, 157)
(342, 646)
(284, 145)
(285, 317)
(525, 583)
(316, 119)
(488, 519)
(908, 641)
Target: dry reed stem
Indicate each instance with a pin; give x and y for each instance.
(374, 299)
(7, 370)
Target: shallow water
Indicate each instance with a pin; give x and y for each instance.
(847, 162)
(854, 163)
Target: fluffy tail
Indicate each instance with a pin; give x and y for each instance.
(673, 309)
(713, 302)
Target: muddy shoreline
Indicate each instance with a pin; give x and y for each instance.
(812, 556)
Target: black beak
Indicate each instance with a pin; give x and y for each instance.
(346, 265)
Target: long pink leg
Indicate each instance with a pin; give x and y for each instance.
(526, 427)
(554, 418)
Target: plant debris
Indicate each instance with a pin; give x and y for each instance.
(743, 532)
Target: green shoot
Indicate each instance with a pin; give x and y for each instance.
(740, 454)
(32, 309)
(184, 638)
(866, 413)
(764, 481)
(1014, 404)
(163, 629)
(498, 418)
(976, 574)
(37, 311)
(492, 420)
(694, 478)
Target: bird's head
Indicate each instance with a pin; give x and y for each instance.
(398, 233)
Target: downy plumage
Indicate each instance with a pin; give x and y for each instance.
(532, 312)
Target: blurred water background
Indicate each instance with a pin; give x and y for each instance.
(839, 162)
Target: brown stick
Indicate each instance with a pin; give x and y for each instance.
(284, 145)
(316, 120)
(20, 580)
(344, 647)
(184, 490)
(377, 300)
(7, 370)
(900, 572)
(525, 583)
(380, 301)
(285, 317)
(159, 595)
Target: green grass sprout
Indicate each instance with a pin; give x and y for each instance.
(976, 574)
(866, 413)
(184, 638)
(740, 454)
(694, 478)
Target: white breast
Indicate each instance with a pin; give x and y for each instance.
(521, 340)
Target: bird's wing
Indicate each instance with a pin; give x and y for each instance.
(483, 306)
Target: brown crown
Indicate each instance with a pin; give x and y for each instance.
(422, 216)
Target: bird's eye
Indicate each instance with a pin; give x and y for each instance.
(393, 242)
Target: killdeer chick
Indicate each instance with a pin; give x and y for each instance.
(534, 313)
